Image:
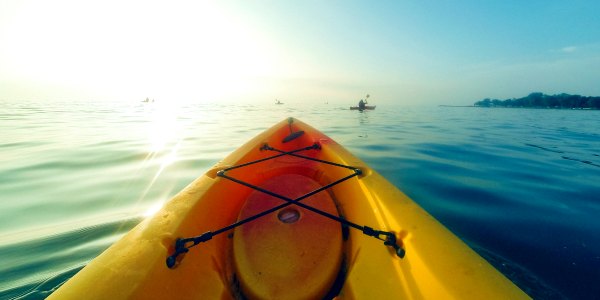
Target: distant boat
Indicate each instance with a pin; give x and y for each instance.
(278, 102)
(365, 107)
(147, 100)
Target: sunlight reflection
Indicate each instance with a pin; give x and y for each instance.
(163, 128)
(165, 133)
(167, 160)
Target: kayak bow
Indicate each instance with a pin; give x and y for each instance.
(289, 215)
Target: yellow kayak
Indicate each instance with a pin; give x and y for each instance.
(289, 215)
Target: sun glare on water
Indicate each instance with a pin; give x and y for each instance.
(164, 128)
(165, 133)
(162, 152)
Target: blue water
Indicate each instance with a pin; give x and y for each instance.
(520, 186)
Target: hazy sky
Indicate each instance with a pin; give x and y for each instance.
(407, 52)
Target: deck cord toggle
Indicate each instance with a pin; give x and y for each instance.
(183, 245)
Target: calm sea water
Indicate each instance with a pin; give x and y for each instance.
(520, 186)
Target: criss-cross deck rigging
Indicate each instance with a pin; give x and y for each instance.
(183, 245)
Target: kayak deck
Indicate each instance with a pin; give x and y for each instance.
(279, 255)
(291, 253)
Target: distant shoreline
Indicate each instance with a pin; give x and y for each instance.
(543, 101)
(557, 108)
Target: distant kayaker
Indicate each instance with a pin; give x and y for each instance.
(361, 104)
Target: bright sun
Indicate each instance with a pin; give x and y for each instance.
(134, 49)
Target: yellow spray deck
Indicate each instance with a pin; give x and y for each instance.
(295, 251)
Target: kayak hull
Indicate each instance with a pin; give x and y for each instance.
(366, 107)
(437, 264)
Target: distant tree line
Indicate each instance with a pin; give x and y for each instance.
(540, 100)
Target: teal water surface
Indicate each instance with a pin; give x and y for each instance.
(520, 186)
